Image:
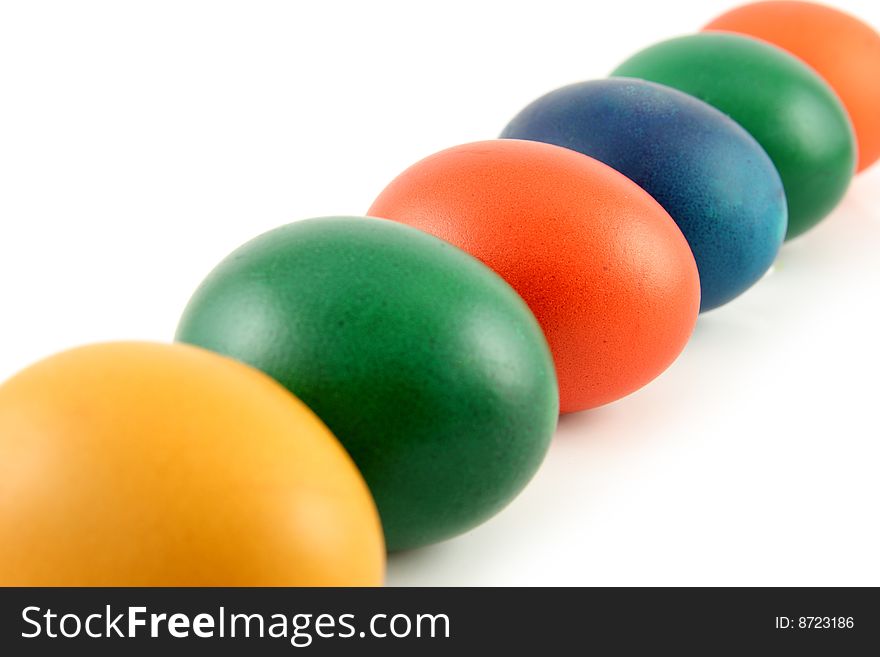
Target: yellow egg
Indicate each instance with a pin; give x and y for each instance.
(136, 464)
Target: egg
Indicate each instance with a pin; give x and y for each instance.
(706, 171)
(786, 107)
(427, 366)
(138, 464)
(604, 268)
(842, 49)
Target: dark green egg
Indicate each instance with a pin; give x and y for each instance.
(789, 110)
(426, 365)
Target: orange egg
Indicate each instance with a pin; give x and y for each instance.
(841, 48)
(135, 464)
(603, 267)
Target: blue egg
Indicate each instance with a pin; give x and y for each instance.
(709, 174)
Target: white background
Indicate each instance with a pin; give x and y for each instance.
(141, 142)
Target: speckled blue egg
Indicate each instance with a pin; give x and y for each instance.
(708, 173)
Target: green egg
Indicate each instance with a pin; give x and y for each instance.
(426, 365)
(791, 112)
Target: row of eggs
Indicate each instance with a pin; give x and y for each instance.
(559, 282)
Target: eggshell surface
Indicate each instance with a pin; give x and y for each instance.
(779, 100)
(427, 366)
(841, 48)
(706, 171)
(604, 268)
(136, 464)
